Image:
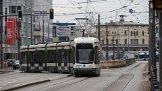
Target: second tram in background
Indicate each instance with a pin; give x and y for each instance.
(78, 57)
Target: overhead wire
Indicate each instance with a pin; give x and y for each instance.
(82, 9)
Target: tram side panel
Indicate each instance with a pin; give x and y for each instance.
(71, 59)
(39, 60)
(65, 59)
(23, 61)
(30, 63)
(59, 58)
(51, 59)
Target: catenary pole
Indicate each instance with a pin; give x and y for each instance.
(99, 27)
(160, 51)
(107, 57)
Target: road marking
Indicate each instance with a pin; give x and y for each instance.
(17, 85)
(4, 84)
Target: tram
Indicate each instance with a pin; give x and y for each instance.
(80, 56)
(143, 56)
(87, 52)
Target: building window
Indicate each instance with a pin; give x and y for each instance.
(131, 33)
(102, 41)
(136, 33)
(116, 41)
(125, 33)
(131, 41)
(143, 41)
(14, 9)
(136, 41)
(125, 41)
(143, 33)
(112, 41)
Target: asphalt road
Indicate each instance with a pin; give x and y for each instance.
(130, 78)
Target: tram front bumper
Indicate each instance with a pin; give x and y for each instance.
(85, 70)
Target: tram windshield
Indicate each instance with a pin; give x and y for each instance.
(84, 53)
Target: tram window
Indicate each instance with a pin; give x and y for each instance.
(66, 55)
(31, 56)
(72, 55)
(23, 57)
(59, 57)
(96, 54)
(84, 53)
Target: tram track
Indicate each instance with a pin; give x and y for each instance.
(121, 83)
(124, 80)
(56, 84)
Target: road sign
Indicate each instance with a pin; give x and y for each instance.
(40, 13)
(157, 4)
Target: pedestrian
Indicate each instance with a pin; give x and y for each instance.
(6, 65)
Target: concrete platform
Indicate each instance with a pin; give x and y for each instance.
(116, 63)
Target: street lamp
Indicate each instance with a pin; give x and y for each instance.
(113, 48)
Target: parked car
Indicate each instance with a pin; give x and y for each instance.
(16, 64)
(10, 62)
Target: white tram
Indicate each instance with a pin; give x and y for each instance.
(87, 56)
(78, 57)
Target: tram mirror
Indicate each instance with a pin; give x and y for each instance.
(95, 49)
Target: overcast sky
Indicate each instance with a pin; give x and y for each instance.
(68, 10)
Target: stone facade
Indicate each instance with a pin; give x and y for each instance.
(125, 36)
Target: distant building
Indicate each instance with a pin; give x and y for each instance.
(32, 28)
(125, 36)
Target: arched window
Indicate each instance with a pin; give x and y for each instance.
(125, 41)
(125, 33)
(112, 41)
(136, 33)
(143, 33)
(131, 41)
(131, 33)
(143, 41)
(116, 41)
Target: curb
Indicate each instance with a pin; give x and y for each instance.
(32, 83)
(25, 85)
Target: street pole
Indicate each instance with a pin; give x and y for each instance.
(1, 42)
(99, 27)
(5, 56)
(19, 38)
(128, 38)
(31, 2)
(160, 51)
(43, 30)
(113, 48)
(83, 32)
(152, 51)
(1, 31)
(107, 56)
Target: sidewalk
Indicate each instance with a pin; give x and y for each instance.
(28, 80)
(6, 70)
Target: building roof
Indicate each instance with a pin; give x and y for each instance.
(125, 23)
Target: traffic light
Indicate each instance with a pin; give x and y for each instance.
(51, 13)
(157, 45)
(20, 15)
(157, 4)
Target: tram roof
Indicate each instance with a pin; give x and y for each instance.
(33, 46)
(41, 45)
(64, 43)
(86, 40)
(23, 47)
